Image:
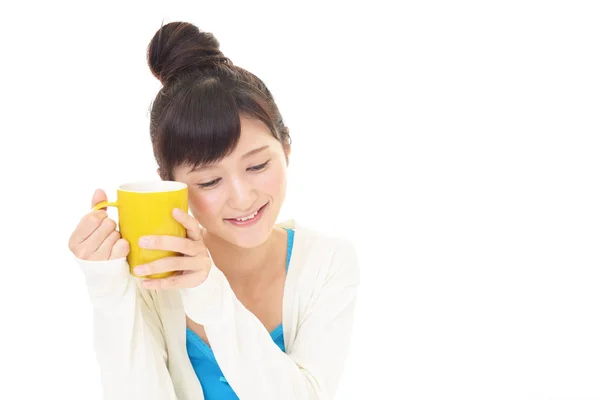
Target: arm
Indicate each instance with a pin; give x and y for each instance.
(128, 341)
(253, 364)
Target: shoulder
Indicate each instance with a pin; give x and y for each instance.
(323, 255)
(325, 244)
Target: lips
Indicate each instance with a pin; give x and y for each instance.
(251, 221)
(255, 212)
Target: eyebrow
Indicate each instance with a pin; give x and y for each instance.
(248, 154)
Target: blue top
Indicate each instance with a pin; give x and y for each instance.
(214, 385)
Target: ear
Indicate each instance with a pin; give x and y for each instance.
(287, 150)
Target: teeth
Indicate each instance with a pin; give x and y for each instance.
(247, 218)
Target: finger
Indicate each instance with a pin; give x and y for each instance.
(88, 224)
(189, 223)
(103, 252)
(167, 264)
(177, 281)
(99, 235)
(171, 243)
(119, 250)
(99, 196)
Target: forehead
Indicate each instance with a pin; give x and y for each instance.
(255, 138)
(253, 135)
(253, 132)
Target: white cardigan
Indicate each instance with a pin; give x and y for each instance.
(140, 334)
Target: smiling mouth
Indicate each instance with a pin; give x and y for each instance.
(249, 217)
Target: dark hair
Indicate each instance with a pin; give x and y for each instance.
(195, 117)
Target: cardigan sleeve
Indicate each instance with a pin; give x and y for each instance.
(253, 364)
(128, 340)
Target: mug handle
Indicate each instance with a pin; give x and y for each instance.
(105, 203)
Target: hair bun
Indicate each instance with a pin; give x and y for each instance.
(180, 46)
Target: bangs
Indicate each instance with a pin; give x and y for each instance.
(201, 126)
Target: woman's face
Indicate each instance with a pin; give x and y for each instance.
(252, 179)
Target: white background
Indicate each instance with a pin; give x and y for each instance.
(455, 142)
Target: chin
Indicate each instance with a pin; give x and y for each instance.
(251, 236)
(245, 242)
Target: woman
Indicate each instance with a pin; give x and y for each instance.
(256, 310)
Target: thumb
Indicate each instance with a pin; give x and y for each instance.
(120, 249)
(98, 197)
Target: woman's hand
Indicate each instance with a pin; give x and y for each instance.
(96, 237)
(191, 269)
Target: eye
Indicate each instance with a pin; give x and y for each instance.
(209, 184)
(259, 167)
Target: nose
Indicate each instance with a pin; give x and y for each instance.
(242, 197)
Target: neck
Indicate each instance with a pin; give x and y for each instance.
(238, 263)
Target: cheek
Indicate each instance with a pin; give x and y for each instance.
(274, 181)
(205, 205)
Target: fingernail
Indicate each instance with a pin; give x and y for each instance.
(144, 241)
(139, 270)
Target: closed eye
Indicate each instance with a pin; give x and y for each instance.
(209, 184)
(259, 167)
(254, 168)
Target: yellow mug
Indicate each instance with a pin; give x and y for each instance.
(146, 208)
